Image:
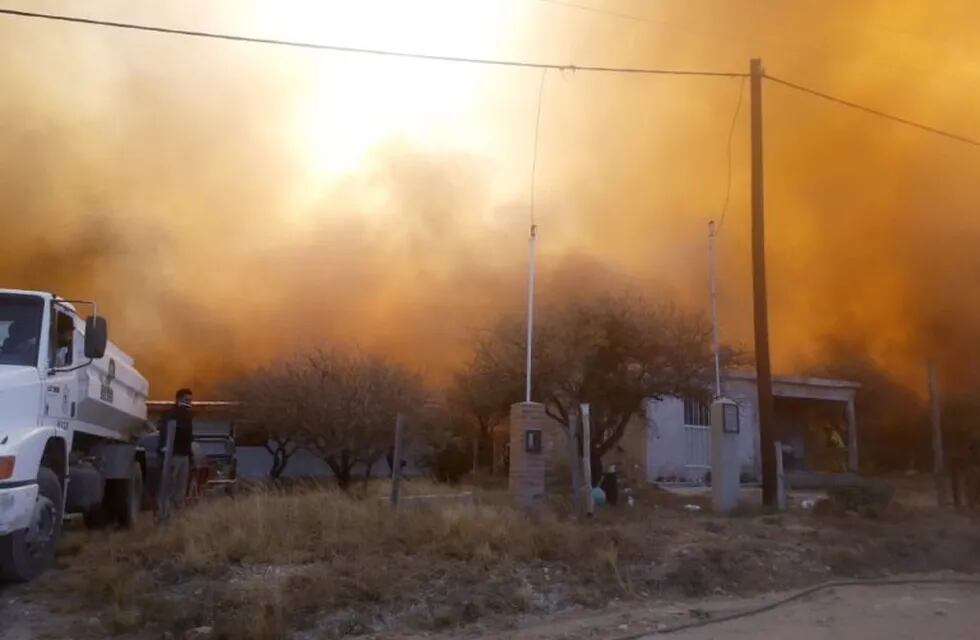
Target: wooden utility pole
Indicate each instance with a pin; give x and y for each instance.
(396, 463)
(760, 306)
(938, 466)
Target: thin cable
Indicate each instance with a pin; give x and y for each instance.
(731, 135)
(534, 155)
(361, 50)
(605, 12)
(799, 595)
(875, 112)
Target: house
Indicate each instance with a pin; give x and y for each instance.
(807, 412)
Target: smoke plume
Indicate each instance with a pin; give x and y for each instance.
(172, 180)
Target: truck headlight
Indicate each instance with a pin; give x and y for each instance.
(6, 467)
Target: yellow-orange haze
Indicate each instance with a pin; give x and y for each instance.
(175, 181)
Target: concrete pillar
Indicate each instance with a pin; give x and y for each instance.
(725, 465)
(852, 438)
(531, 441)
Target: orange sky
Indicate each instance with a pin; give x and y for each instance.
(227, 202)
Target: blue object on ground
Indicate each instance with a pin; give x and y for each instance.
(598, 496)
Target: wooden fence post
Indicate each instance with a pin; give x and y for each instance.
(396, 463)
(587, 458)
(164, 498)
(935, 419)
(575, 462)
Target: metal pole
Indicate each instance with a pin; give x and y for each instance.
(766, 408)
(532, 241)
(935, 419)
(780, 478)
(396, 463)
(715, 342)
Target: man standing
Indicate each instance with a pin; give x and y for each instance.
(173, 476)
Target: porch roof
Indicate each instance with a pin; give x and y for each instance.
(803, 386)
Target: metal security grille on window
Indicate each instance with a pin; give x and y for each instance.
(696, 413)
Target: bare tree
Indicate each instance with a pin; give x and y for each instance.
(267, 411)
(480, 399)
(612, 353)
(348, 407)
(339, 406)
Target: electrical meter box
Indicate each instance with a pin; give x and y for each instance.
(725, 465)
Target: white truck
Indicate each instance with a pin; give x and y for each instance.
(71, 408)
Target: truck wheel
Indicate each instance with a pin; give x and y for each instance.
(130, 496)
(25, 554)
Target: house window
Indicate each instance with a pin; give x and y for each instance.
(696, 413)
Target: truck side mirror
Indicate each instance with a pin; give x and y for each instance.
(96, 337)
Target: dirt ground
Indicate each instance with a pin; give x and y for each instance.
(909, 612)
(892, 613)
(320, 565)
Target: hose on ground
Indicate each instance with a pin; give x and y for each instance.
(793, 597)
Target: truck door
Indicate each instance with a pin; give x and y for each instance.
(64, 354)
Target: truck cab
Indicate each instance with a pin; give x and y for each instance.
(71, 407)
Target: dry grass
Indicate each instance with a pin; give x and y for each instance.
(271, 560)
(261, 566)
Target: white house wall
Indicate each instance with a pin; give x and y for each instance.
(665, 439)
(744, 393)
(666, 455)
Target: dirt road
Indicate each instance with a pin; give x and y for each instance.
(869, 613)
(947, 612)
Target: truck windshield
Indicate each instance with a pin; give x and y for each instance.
(20, 329)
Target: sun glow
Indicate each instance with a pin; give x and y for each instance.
(355, 102)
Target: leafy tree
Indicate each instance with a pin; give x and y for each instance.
(611, 352)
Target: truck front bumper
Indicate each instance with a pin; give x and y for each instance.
(16, 507)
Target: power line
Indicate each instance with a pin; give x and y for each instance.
(361, 50)
(482, 61)
(605, 12)
(875, 112)
(731, 135)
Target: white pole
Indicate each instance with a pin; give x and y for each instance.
(530, 310)
(715, 342)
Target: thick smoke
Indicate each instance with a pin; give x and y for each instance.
(163, 178)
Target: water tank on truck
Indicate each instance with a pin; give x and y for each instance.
(72, 405)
